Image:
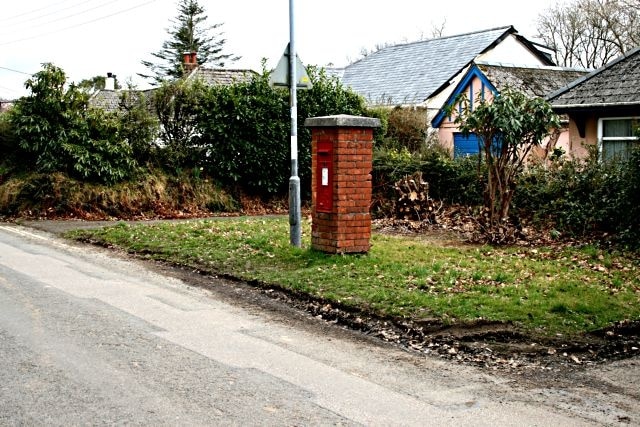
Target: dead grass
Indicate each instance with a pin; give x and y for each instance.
(152, 196)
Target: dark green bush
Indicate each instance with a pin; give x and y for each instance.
(450, 180)
(178, 106)
(138, 127)
(244, 130)
(55, 128)
(13, 158)
(630, 201)
(453, 180)
(583, 197)
(238, 134)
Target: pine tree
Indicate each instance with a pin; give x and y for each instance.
(189, 33)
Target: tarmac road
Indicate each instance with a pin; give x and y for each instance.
(90, 338)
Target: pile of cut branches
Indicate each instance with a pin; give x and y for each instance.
(413, 201)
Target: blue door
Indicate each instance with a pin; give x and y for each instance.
(465, 146)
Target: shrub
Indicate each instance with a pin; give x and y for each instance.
(178, 107)
(508, 128)
(12, 157)
(138, 127)
(580, 197)
(451, 180)
(407, 127)
(389, 166)
(380, 133)
(54, 126)
(401, 128)
(244, 130)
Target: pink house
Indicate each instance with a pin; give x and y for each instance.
(483, 81)
(422, 74)
(604, 107)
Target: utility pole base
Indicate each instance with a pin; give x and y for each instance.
(295, 226)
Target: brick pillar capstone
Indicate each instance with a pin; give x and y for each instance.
(341, 165)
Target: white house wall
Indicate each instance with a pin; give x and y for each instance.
(510, 51)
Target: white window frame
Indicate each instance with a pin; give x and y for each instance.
(601, 138)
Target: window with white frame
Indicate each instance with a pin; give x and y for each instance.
(617, 136)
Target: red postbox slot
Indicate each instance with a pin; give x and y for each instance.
(324, 177)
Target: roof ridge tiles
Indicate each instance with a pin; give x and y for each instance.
(530, 66)
(227, 69)
(436, 39)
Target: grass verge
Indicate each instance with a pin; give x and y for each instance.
(543, 290)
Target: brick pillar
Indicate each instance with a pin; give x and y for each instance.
(341, 164)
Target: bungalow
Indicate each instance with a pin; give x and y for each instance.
(424, 73)
(5, 105)
(109, 98)
(485, 80)
(604, 107)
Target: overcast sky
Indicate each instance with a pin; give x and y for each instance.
(92, 37)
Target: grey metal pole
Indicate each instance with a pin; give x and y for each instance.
(294, 182)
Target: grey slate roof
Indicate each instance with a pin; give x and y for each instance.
(615, 84)
(532, 81)
(5, 104)
(221, 76)
(109, 100)
(335, 72)
(410, 73)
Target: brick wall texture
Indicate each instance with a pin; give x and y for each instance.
(347, 227)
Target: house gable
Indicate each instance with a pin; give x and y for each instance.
(532, 81)
(488, 80)
(515, 50)
(465, 87)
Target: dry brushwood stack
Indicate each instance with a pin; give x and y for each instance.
(413, 202)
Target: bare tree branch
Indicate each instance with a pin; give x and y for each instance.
(590, 33)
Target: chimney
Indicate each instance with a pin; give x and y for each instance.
(190, 61)
(110, 82)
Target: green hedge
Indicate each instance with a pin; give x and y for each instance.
(583, 197)
(576, 197)
(451, 180)
(244, 130)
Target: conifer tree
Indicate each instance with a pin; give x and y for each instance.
(189, 32)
